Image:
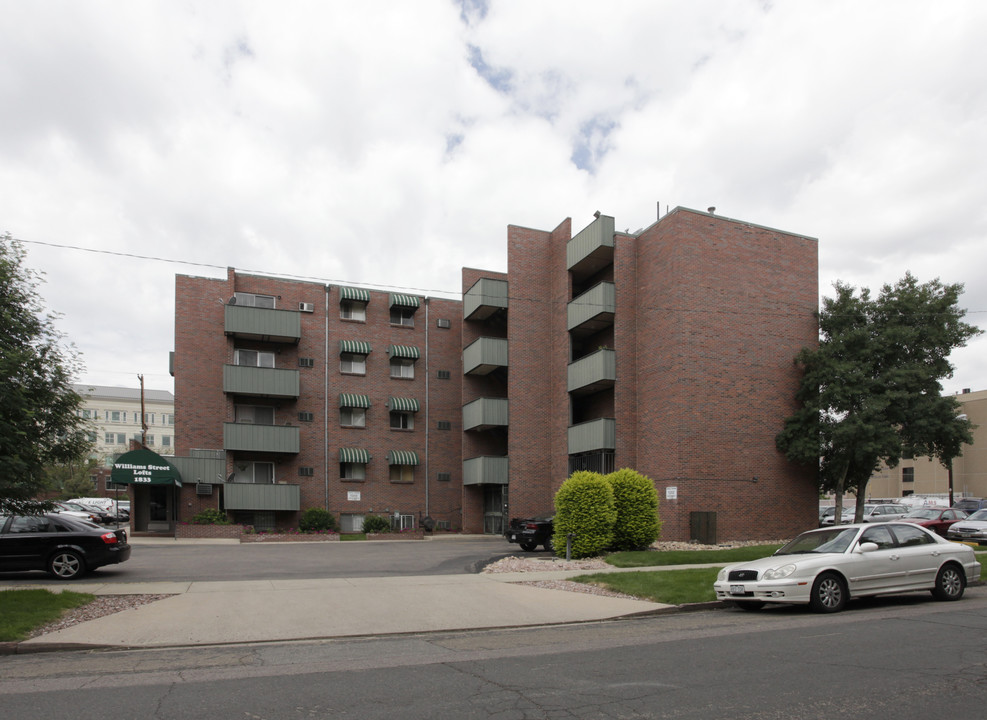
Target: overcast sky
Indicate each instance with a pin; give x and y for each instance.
(389, 143)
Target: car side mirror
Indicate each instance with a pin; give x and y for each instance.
(867, 547)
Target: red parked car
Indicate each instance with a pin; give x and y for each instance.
(935, 519)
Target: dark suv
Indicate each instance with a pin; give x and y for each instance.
(970, 505)
(529, 533)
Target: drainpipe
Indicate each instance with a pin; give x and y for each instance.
(428, 425)
(325, 396)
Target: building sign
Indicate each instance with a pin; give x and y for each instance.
(353, 495)
(672, 493)
(144, 467)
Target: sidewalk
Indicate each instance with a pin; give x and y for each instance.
(204, 613)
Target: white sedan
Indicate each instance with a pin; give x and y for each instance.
(826, 567)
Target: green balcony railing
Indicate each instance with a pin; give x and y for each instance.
(485, 413)
(261, 438)
(261, 381)
(266, 324)
(484, 355)
(267, 496)
(593, 373)
(599, 434)
(485, 470)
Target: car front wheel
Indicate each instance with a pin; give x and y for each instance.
(950, 583)
(66, 565)
(829, 593)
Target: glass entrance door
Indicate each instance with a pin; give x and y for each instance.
(494, 499)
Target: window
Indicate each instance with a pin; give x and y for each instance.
(148, 418)
(306, 472)
(445, 425)
(253, 300)
(150, 440)
(169, 419)
(110, 438)
(443, 374)
(352, 471)
(306, 417)
(254, 415)
(444, 477)
(353, 417)
(260, 473)
(253, 358)
(122, 438)
(353, 310)
(306, 362)
(879, 535)
(403, 368)
(402, 420)
(908, 474)
(117, 416)
(910, 535)
(402, 473)
(353, 363)
(401, 315)
(166, 441)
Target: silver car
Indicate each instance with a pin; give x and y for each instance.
(826, 567)
(973, 529)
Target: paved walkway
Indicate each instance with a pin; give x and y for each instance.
(203, 613)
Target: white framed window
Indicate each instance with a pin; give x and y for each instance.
(169, 419)
(353, 417)
(403, 368)
(122, 438)
(166, 441)
(110, 438)
(401, 315)
(402, 420)
(253, 300)
(259, 473)
(253, 358)
(254, 414)
(352, 471)
(353, 363)
(402, 473)
(353, 310)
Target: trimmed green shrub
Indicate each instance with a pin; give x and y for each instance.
(636, 502)
(376, 524)
(584, 506)
(316, 520)
(211, 517)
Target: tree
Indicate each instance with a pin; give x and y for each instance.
(40, 423)
(636, 502)
(871, 392)
(584, 509)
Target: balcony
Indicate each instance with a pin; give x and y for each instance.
(593, 310)
(484, 355)
(600, 434)
(261, 381)
(591, 249)
(485, 470)
(485, 413)
(261, 438)
(593, 373)
(485, 298)
(264, 324)
(267, 496)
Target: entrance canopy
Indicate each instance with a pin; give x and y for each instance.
(144, 467)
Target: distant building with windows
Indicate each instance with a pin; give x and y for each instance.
(669, 350)
(928, 478)
(115, 420)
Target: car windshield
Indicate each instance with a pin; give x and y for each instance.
(924, 513)
(836, 540)
(979, 515)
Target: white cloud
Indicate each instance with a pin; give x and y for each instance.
(353, 141)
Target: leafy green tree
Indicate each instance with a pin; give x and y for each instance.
(871, 392)
(584, 508)
(636, 502)
(39, 420)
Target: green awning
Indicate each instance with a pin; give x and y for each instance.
(351, 401)
(144, 467)
(356, 294)
(403, 404)
(354, 346)
(404, 300)
(403, 351)
(402, 457)
(353, 455)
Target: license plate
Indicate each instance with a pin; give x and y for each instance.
(737, 590)
(513, 537)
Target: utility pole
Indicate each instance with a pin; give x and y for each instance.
(143, 415)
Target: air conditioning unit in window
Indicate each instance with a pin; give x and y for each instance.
(203, 489)
(306, 307)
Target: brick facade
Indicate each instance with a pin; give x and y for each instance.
(709, 314)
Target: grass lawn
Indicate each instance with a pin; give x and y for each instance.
(349, 537)
(676, 587)
(651, 558)
(23, 610)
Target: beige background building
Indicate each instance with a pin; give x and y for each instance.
(115, 413)
(924, 476)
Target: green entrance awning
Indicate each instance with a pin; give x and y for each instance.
(353, 455)
(353, 401)
(403, 404)
(404, 300)
(402, 457)
(354, 346)
(355, 294)
(144, 467)
(403, 351)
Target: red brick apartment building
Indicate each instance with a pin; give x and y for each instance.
(668, 351)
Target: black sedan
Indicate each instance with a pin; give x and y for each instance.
(64, 546)
(529, 533)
